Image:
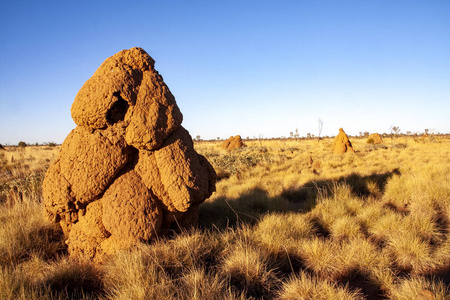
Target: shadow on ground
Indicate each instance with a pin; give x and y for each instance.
(225, 212)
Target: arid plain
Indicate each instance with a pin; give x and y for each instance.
(289, 219)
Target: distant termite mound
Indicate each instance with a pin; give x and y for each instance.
(374, 138)
(128, 172)
(233, 142)
(341, 143)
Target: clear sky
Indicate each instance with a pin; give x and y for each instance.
(254, 68)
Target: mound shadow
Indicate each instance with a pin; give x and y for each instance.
(358, 184)
(226, 212)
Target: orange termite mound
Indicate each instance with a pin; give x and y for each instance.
(374, 138)
(341, 143)
(128, 172)
(233, 142)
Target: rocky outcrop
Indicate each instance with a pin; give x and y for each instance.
(341, 143)
(128, 172)
(232, 143)
(374, 138)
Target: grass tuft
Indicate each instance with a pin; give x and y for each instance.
(303, 286)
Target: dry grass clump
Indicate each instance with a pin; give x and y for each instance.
(289, 220)
(198, 284)
(32, 261)
(303, 286)
(418, 287)
(247, 268)
(339, 208)
(131, 275)
(356, 262)
(322, 258)
(410, 254)
(24, 233)
(231, 163)
(22, 170)
(425, 186)
(347, 228)
(168, 269)
(74, 278)
(280, 233)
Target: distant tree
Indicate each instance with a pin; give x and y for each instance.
(198, 138)
(291, 134)
(320, 123)
(366, 134)
(360, 134)
(426, 132)
(52, 144)
(296, 134)
(218, 138)
(22, 144)
(394, 131)
(308, 135)
(408, 133)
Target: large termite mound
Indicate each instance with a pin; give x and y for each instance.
(128, 172)
(341, 143)
(233, 142)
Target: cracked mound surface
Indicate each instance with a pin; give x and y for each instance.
(341, 143)
(128, 172)
(127, 87)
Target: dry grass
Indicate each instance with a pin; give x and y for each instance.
(289, 220)
(302, 286)
(22, 170)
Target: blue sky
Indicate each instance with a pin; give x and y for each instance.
(254, 68)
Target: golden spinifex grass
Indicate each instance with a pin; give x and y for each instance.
(289, 220)
(22, 170)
